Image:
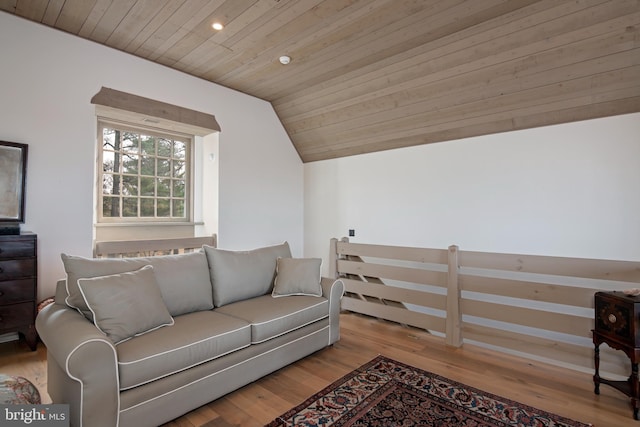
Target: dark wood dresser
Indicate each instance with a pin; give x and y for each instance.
(19, 285)
(617, 323)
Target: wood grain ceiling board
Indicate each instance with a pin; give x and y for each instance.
(372, 75)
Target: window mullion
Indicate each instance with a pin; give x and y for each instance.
(150, 175)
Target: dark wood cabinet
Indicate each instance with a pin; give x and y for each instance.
(617, 323)
(19, 285)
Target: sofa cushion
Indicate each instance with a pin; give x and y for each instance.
(125, 305)
(183, 279)
(297, 276)
(239, 275)
(193, 339)
(271, 317)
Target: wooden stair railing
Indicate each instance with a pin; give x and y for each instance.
(537, 306)
(151, 247)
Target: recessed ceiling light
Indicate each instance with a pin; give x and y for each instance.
(284, 59)
(217, 26)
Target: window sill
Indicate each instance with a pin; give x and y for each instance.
(147, 224)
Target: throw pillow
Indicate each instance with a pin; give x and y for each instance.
(239, 275)
(298, 276)
(125, 305)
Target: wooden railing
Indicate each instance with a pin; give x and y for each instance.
(534, 306)
(150, 247)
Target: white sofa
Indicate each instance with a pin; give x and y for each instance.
(141, 341)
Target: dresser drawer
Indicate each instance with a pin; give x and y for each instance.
(18, 285)
(16, 315)
(17, 249)
(13, 291)
(17, 268)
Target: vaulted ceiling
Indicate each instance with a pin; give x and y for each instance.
(371, 75)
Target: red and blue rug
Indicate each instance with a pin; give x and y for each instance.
(385, 392)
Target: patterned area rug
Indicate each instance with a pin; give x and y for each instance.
(17, 391)
(384, 392)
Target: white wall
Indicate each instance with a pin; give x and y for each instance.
(567, 190)
(47, 80)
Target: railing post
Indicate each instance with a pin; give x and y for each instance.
(333, 258)
(454, 314)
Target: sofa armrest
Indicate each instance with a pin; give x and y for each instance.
(87, 357)
(333, 290)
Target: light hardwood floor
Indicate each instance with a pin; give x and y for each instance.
(550, 388)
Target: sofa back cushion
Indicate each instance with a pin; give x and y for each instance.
(183, 279)
(239, 275)
(184, 282)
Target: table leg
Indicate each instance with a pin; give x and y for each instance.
(596, 376)
(635, 390)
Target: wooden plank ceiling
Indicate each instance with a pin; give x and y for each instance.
(371, 75)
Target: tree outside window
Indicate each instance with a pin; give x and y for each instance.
(144, 175)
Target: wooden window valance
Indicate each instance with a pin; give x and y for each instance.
(125, 106)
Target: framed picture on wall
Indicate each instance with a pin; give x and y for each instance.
(13, 179)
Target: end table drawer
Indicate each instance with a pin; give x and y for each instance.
(13, 291)
(16, 315)
(17, 268)
(616, 316)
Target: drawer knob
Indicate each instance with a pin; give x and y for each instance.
(612, 318)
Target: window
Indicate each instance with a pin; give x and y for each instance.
(145, 175)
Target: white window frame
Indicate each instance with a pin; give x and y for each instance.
(189, 184)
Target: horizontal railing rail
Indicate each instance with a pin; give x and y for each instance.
(535, 306)
(151, 247)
